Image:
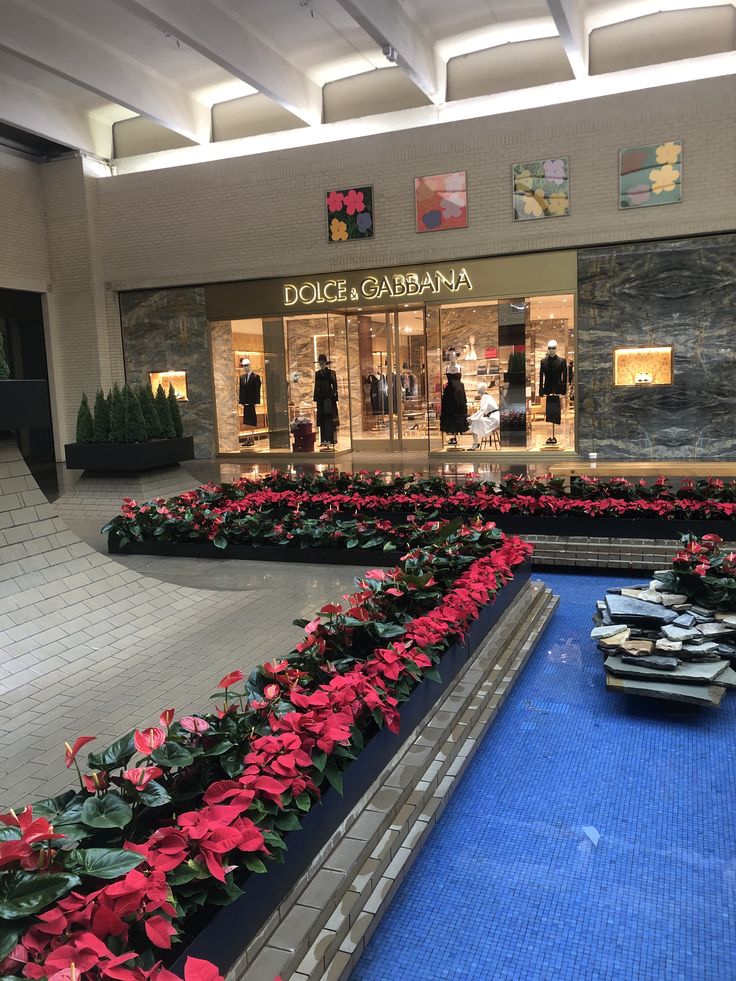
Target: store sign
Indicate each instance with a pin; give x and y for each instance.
(430, 282)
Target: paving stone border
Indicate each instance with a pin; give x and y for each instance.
(320, 930)
(600, 553)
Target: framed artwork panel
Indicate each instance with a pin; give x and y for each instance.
(349, 213)
(441, 201)
(650, 175)
(541, 189)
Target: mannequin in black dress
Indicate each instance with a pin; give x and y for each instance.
(325, 395)
(552, 384)
(454, 409)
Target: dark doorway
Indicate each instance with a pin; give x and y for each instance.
(21, 324)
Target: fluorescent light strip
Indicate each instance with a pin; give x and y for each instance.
(556, 93)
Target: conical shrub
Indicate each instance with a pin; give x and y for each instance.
(148, 404)
(175, 413)
(164, 413)
(85, 425)
(101, 419)
(135, 424)
(117, 416)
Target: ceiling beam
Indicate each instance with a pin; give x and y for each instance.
(35, 111)
(224, 41)
(403, 41)
(58, 48)
(569, 18)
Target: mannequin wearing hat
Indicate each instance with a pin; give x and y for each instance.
(552, 384)
(454, 406)
(249, 396)
(325, 395)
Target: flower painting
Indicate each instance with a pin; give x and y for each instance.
(350, 214)
(650, 175)
(441, 202)
(541, 189)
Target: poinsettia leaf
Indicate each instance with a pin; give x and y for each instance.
(155, 794)
(334, 776)
(115, 755)
(25, 893)
(303, 802)
(172, 754)
(254, 864)
(319, 758)
(109, 811)
(9, 936)
(273, 840)
(388, 629)
(433, 674)
(104, 863)
(218, 748)
(287, 821)
(232, 763)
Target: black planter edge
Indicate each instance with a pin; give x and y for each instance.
(229, 932)
(265, 553)
(128, 457)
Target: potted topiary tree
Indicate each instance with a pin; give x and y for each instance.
(24, 402)
(130, 430)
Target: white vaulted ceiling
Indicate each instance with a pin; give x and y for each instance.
(116, 78)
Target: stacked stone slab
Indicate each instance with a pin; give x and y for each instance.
(661, 645)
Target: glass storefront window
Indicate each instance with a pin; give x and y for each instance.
(551, 319)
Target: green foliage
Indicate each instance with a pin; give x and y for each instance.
(24, 893)
(135, 424)
(148, 404)
(117, 416)
(102, 419)
(164, 414)
(175, 413)
(517, 362)
(104, 863)
(109, 811)
(4, 366)
(85, 425)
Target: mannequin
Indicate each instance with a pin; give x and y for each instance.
(454, 412)
(487, 419)
(552, 384)
(409, 388)
(325, 395)
(471, 355)
(249, 396)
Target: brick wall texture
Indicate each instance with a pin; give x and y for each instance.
(263, 215)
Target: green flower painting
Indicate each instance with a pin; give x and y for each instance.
(541, 189)
(650, 175)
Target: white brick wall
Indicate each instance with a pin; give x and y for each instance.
(24, 262)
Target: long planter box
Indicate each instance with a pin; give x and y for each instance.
(265, 553)
(223, 939)
(127, 457)
(572, 527)
(24, 403)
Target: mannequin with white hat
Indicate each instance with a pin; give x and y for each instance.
(553, 385)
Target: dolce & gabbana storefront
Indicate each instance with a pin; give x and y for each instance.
(443, 358)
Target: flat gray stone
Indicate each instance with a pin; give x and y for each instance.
(679, 633)
(606, 630)
(706, 647)
(673, 599)
(626, 609)
(706, 695)
(646, 595)
(652, 662)
(668, 646)
(729, 618)
(716, 629)
(727, 678)
(684, 673)
(685, 620)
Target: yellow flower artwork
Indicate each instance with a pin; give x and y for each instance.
(541, 189)
(338, 231)
(650, 175)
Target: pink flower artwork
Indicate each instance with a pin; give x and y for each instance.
(441, 201)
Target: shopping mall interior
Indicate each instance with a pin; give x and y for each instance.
(367, 490)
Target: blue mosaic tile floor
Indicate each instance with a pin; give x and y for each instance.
(511, 885)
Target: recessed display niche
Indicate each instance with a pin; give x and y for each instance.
(642, 366)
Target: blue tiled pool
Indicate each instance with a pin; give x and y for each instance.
(511, 884)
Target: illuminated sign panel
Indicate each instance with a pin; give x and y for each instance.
(311, 292)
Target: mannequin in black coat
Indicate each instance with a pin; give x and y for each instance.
(325, 395)
(552, 384)
(249, 395)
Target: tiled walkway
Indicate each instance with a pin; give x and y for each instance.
(515, 882)
(93, 646)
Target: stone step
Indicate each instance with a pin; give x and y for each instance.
(338, 946)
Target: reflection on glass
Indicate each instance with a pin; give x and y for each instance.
(176, 379)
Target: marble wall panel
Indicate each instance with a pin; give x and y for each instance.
(168, 330)
(226, 393)
(680, 293)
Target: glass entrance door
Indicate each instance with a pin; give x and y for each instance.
(387, 380)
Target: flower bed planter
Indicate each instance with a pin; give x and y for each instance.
(264, 553)
(223, 939)
(114, 457)
(24, 403)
